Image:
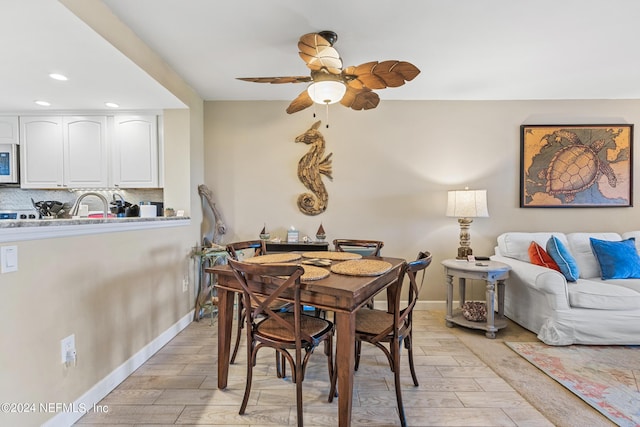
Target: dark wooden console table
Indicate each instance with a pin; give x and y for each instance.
(297, 246)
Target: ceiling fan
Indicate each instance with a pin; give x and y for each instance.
(330, 83)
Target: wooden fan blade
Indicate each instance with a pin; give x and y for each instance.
(360, 99)
(318, 54)
(277, 80)
(380, 75)
(300, 103)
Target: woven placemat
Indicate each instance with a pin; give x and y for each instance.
(310, 272)
(271, 258)
(362, 267)
(317, 262)
(335, 256)
(314, 273)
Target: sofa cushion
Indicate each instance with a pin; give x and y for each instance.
(538, 256)
(515, 244)
(618, 260)
(580, 247)
(563, 258)
(602, 296)
(633, 284)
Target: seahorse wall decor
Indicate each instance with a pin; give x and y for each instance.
(311, 167)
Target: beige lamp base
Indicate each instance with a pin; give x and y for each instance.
(465, 238)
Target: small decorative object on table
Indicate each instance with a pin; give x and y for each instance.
(293, 235)
(320, 234)
(264, 235)
(474, 311)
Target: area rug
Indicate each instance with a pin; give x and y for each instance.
(605, 377)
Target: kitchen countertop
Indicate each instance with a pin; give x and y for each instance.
(37, 229)
(77, 221)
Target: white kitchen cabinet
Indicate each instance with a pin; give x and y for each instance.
(41, 152)
(85, 152)
(9, 130)
(61, 151)
(134, 152)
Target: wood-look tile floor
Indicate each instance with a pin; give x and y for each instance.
(178, 386)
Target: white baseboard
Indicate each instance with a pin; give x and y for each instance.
(420, 305)
(111, 381)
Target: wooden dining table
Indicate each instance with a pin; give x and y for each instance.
(343, 294)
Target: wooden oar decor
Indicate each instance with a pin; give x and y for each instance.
(311, 167)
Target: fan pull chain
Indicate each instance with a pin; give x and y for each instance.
(327, 104)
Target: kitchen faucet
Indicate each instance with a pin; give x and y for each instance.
(76, 205)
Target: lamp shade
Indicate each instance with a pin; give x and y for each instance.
(326, 91)
(467, 203)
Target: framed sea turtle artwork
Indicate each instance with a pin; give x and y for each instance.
(576, 166)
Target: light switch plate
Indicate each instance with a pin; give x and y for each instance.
(8, 259)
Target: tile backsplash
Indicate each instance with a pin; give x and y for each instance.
(20, 199)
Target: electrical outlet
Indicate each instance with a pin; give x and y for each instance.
(185, 284)
(68, 350)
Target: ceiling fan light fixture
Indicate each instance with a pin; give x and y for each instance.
(327, 91)
(329, 80)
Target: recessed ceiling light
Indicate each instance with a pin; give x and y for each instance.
(57, 76)
(43, 103)
(111, 104)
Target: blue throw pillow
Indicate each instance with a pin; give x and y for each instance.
(618, 260)
(563, 258)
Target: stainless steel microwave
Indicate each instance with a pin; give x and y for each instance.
(9, 164)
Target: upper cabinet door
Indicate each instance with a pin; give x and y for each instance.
(135, 152)
(85, 152)
(9, 130)
(41, 152)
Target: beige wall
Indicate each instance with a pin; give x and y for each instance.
(116, 292)
(392, 167)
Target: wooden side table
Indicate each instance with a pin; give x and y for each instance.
(493, 273)
(206, 257)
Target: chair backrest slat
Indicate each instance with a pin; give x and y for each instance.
(284, 277)
(410, 271)
(259, 246)
(343, 245)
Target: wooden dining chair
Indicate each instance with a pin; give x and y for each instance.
(393, 326)
(363, 247)
(260, 248)
(286, 332)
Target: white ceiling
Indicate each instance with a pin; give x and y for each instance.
(466, 49)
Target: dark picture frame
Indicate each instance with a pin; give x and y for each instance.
(576, 166)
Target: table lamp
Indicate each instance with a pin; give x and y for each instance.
(465, 205)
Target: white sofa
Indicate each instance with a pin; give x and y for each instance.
(588, 311)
